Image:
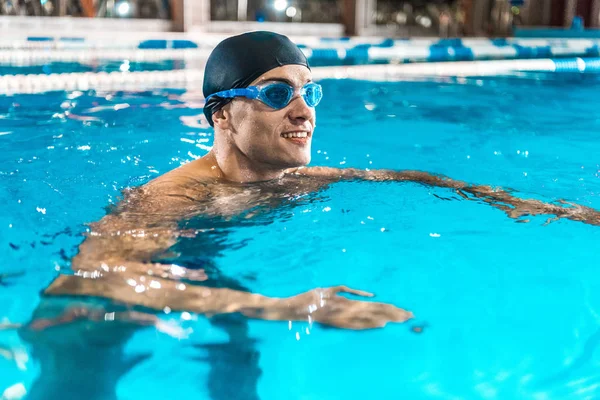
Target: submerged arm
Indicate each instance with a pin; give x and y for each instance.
(502, 199)
(322, 305)
(139, 231)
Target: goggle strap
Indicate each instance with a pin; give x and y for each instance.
(250, 92)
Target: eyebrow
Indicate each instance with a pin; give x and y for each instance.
(284, 80)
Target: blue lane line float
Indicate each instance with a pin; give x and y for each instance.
(569, 65)
(455, 42)
(533, 52)
(157, 44)
(500, 42)
(440, 52)
(359, 54)
(419, 50)
(577, 65)
(325, 54)
(592, 65)
(386, 43)
(593, 51)
(340, 39)
(40, 39)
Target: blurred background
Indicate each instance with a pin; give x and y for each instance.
(389, 18)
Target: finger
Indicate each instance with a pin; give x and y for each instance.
(401, 315)
(346, 289)
(393, 314)
(390, 312)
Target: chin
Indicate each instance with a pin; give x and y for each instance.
(302, 161)
(296, 158)
(294, 163)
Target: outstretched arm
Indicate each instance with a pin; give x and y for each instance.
(322, 305)
(502, 199)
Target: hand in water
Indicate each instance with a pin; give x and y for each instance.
(518, 208)
(577, 212)
(335, 310)
(328, 307)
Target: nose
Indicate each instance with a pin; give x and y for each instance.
(300, 111)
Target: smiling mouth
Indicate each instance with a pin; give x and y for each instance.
(298, 134)
(300, 138)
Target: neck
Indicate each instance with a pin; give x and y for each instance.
(237, 167)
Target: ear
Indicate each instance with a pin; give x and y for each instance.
(221, 118)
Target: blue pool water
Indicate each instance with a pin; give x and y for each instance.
(511, 310)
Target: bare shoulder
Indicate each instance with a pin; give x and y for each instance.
(174, 191)
(195, 171)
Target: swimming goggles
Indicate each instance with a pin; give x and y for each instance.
(276, 95)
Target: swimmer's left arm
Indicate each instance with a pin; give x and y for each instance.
(514, 207)
(378, 175)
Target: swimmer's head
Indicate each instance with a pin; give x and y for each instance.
(270, 122)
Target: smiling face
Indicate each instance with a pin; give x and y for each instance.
(270, 138)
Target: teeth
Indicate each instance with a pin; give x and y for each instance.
(294, 135)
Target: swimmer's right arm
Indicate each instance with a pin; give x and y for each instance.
(143, 226)
(319, 305)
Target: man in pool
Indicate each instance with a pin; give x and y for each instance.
(260, 99)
